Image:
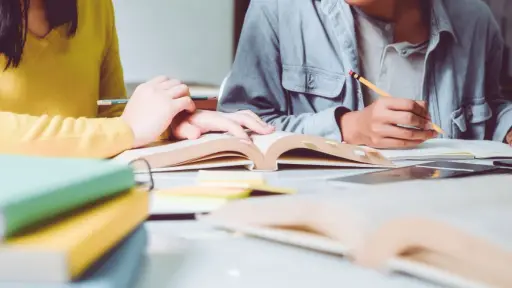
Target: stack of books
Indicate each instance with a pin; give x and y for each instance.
(70, 223)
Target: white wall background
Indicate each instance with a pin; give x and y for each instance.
(187, 39)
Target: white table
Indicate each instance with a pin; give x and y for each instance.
(188, 254)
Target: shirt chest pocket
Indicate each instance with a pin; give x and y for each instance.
(317, 88)
(470, 121)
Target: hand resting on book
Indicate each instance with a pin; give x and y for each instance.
(192, 126)
(162, 103)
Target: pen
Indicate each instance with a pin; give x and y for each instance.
(109, 102)
(383, 94)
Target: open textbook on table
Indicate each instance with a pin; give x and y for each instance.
(268, 152)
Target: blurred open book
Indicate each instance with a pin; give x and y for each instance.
(266, 152)
(452, 232)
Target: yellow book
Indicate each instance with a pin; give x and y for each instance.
(62, 250)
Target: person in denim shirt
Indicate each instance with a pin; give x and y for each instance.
(441, 59)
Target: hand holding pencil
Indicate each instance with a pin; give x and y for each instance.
(384, 123)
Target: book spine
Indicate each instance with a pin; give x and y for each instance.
(31, 211)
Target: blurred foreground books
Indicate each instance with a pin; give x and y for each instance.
(70, 223)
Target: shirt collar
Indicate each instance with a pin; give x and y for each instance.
(440, 22)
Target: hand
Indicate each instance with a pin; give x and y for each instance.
(153, 106)
(376, 125)
(508, 139)
(192, 126)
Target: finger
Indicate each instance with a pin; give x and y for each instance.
(233, 128)
(389, 143)
(158, 80)
(254, 116)
(250, 123)
(183, 104)
(178, 91)
(398, 104)
(218, 123)
(185, 130)
(166, 85)
(407, 119)
(391, 131)
(424, 105)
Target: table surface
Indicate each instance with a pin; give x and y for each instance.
(191, 254)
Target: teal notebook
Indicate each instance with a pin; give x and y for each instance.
(118, 268)
(37, 188)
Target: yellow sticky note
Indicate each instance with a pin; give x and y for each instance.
(206, 191)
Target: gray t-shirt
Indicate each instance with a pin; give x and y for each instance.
(396, 68)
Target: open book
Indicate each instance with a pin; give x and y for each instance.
(265, 153)
(451, 149)
(451, 232)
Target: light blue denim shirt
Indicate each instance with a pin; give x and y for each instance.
(293, 59)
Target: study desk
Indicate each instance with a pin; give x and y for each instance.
(189, 254)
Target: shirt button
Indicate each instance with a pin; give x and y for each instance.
(403, 52)
(311, 81)
(387, 27)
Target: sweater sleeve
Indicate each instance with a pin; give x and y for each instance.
(63, 137)
(112, 84)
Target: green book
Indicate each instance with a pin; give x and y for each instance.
(35, 189)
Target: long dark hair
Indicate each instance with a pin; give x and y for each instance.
(14, 23)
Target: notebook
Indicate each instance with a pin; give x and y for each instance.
(118, 268)
(449, 231)
(266, 153)
(451, 149)
(38, 188)
(64, 248)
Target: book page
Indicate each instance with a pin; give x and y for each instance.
(488, 149)
(350, 216)
(133, 154)
(489, 223)
(450, 149)
(264, 142)
(478, 257)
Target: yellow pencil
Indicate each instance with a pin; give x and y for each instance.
(383, 94)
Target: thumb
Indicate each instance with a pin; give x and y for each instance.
(185, 130)
(182, 104)
(424, 105)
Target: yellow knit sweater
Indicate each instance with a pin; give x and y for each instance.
(48, 103)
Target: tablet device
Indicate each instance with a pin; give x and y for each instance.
(503, 163)
(432, 170)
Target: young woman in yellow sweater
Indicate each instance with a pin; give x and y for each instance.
(60, 58)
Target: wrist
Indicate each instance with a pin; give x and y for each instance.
(136, 139)
(348, 127)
